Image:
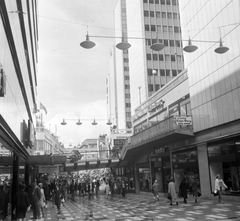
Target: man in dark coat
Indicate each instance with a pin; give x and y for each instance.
(4, 200)
(36, 195)
(183, 189)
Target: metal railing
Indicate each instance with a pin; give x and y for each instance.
(160, 129)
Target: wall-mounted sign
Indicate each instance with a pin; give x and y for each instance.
(48, 169)
(159, 150)
(5, 170)
(183, 120)
(118, 142)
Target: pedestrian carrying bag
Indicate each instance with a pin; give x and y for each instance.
(215, 193)
(169, 196)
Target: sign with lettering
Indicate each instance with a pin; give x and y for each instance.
(48, 169)
(159, 150)
(118, 142)
(183, 120)
(5, 170)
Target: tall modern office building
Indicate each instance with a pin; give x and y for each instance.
(131, 79)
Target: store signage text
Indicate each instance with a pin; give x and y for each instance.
(183, 120)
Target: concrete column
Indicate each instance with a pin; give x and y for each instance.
(136, 179)
(15, 181)
(26, 175)
(204, 170)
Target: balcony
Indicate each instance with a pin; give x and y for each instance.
(170, 130)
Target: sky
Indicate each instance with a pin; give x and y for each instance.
(71, 79)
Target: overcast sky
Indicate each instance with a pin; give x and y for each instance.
(71, 79)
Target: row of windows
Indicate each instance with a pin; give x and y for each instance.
(166, 57)
(159, 14)
(164, 72)
(159, 28)
(179, 109)
(162, 2)
(171, 43)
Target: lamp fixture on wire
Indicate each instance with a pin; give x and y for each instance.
(80, 123)
(124, 45)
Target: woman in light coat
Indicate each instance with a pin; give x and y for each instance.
(42, 201)
(107, 189)
(156, 190)
(219, 185)
(172, 191)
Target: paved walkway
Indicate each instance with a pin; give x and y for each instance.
(141, 207)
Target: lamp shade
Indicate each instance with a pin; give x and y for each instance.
(79, 122)
(64, 122)
(190, 47)
(157, 46)
(123, 45)
(94, 122)
(221, 49)
(87, 44)
(109, 122)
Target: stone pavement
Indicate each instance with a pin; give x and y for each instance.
(141, 207)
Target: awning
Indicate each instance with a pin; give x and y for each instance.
(147, 146)
(90, 165)
(46, 160)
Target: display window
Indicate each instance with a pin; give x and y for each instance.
(224, 159)
(185, 164)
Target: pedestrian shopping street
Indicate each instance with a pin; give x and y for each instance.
(141, 207)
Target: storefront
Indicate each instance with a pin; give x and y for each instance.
(224, 159)
(161, 167)
(185, 164)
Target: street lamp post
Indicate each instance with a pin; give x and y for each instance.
(139, 88)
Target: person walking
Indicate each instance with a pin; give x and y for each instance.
(119, 186)
(195, 188)
(107, 189)
(4, 200)
(97, 187)
(46, 192)
(183, 189)
(58, 199)
(219, 185)
(22, 203)
(42, 201)
(123, 186)
(36, 195)
(156, 189)
(172, 191)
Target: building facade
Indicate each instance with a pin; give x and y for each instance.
(18, 82)
(214, 86)
(139, 72)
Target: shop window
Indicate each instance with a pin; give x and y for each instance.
(224, 159)
(185, 163)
